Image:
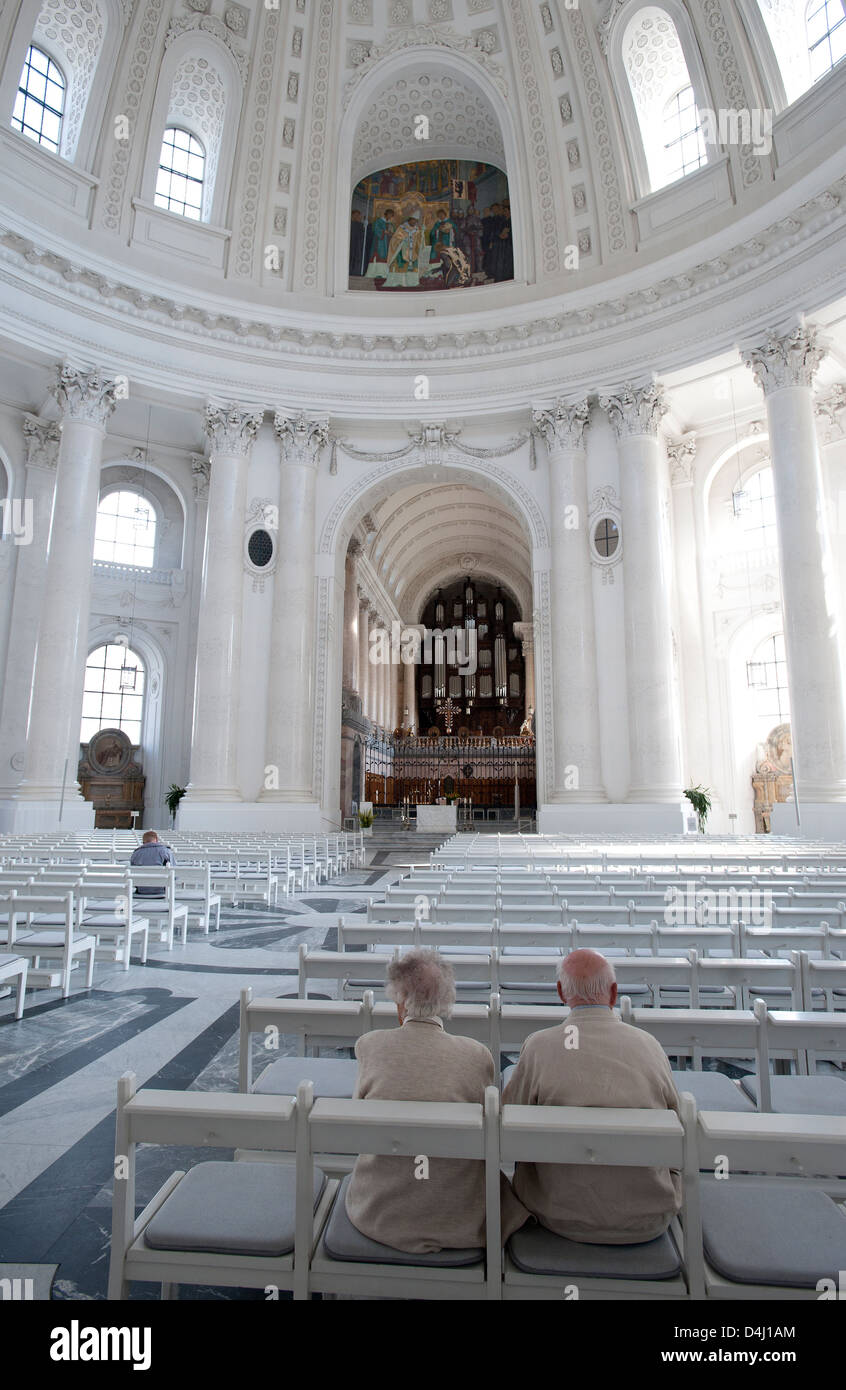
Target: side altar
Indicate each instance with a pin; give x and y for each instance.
(437, 819)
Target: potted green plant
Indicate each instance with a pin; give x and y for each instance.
(700, 800)
(365, 820)
(173, 799)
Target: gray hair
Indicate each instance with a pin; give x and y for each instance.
(593, 984)
(423, 982)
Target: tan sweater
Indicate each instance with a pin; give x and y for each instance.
(385, 1201)
(614, 1065)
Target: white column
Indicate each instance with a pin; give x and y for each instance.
(577, 767)
(42, 439)
(350, 639)
(86, 399)
(784, 368)
(214, 744)
(378, 672)
(696, 743)
(526, 634)
(363, 650)
(409, 676)
(290, 705)
(636, 414)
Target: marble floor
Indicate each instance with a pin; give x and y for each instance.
(174, 1023)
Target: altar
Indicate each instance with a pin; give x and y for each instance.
(433, 819)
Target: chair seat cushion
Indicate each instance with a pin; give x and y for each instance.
(343, 1241)
(712, 1090)
(47, 940)
(535, 1250)
(333, 1077)
(802, 1095)
(231, 1209)
(788, 1235)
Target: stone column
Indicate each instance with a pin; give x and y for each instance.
(526, 634)
(86, 400)
(363, 649)
(636, 414)
(350, 640)
(409, 677)
(214, 744)
(577, 766)
(377, 672)
(696, 742)
(290, 705)
(784, 368)
(42, 438)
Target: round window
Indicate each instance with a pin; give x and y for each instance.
(260, 549)
(606, 537)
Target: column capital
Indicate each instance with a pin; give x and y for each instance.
(42, 439)
(301, 439)
(562, 426)
(87, 395)
(200, 474)
(363, 600)
(354, 549)
(681, 453)
(636, 409)
(787, 359)
(526, 634)
(232, 428)
(830, 409)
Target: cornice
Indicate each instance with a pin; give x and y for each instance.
(755, 260)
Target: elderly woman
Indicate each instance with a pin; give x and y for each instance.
(420, 1061)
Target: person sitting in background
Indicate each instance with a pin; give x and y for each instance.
(604, 1062)
(151, 854)
(420, 1061)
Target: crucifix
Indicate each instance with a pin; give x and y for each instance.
(447, 709)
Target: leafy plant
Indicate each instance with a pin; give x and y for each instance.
(173, 799)
(365, 819)
(700, 800)
(451, 796)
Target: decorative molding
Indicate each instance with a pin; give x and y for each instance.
(209, 24)
(788, 359)
(829, 409)
(563, 426)
(258, 147)
(86, 395)
(425, 36)
(603, 28)
(200, 474)
(636, 410)
(681, 454)
(543, 184)
(605, 502)
(42, 439)
(132, 91)
(724, 50)
(608, 174)
(301, 439)
(318, 136)
(232, 428)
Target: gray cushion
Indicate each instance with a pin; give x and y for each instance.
(802, 1095)
(788, 1235)
(231, 1209)
(535, 1250)
(332, 1076)
(343, 1241)
(712, 1090)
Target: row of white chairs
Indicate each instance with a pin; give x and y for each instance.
(508, 911)
(768, 1037)
(275, 1218)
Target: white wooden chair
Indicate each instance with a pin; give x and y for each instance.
(799, 1038)
(698, 1033)
(542, 1266)
(61, 943)
(194, 891)
(116, 926)
(15, 968)
(164, 913)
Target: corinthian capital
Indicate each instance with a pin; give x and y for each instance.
(563, 426)
(89, 396)
(232, 428)
(301, 439)
(788, 359)
(636, 409)
(42, 442)
(681, 453)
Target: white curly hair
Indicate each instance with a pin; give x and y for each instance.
(423, 982)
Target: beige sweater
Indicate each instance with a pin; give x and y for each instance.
(614, 1065)
(385, 1201)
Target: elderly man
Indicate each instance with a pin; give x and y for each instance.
(420, 1061)
(593, 1058)
(151, 854)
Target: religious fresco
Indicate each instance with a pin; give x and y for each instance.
(439, 224)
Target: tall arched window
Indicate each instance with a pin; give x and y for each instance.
(766, 676)
(754, 507)
(126, 529)
(182, 163)
(113, 693)
(40, 103)
(684, 144)
(663, 94)
(826, 25)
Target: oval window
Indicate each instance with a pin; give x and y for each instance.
(606, 537)
(260, 549)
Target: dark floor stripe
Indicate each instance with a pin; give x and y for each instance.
(24, 1088)
(216, 969)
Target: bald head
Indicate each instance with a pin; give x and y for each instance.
(586, 977)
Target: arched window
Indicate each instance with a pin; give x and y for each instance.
(766, 676)
(754, 507)
(40, 103)
(826, 26)
(683, 141)
(113, 693)
(126, 530)
(182, 163)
